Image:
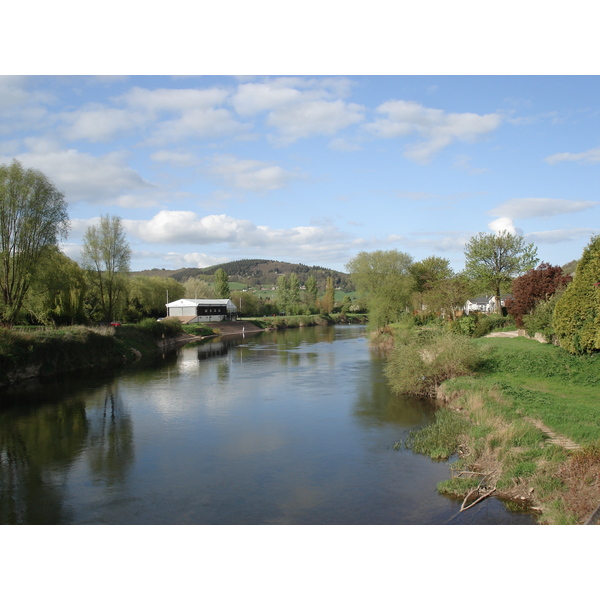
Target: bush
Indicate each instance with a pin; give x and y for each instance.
(576, 318)
(169, 327)
(424, 358)
(540, 318)
(488, 323)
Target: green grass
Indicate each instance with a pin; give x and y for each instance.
(547, 383)
(523, 378)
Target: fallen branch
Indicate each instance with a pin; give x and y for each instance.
(488, 493)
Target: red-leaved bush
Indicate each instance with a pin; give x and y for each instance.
(537, 284)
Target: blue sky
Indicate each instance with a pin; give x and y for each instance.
(313, 169)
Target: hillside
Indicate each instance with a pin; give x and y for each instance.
(257, 272)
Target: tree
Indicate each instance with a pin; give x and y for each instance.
(294, 293)
(311, 291)
(426, 273)
(328, 300)
(57, 294)
(283, 293)
(576, 319)
(429, 270)
(536, 285)
(198, 288)
(248, 304)
(492, 260)
(147, 296)
(384, 279)
(448, 295)
(33, 217)
(221, 284)
(106, 255)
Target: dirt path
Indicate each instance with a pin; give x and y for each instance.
(555, 438)
(508, 334)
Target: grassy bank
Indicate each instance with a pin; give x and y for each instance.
(24, 355)
(491, 421)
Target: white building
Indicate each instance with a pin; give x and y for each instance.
(202, 310)
(485, 304)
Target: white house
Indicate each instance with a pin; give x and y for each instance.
(202, 310)
(486, 304)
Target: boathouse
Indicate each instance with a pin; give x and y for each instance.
(202, 310)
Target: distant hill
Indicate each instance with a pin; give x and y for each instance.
(257, 272)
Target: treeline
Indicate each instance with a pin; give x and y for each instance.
(39, 284)
(551, 300)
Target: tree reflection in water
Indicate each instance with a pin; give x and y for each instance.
(39, 445)
(110, 450)
(36, 451)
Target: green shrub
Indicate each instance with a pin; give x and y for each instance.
(576, 319)
(440, 439)
(488, 323)
(425, 357)
(169, 327)
(539, 320)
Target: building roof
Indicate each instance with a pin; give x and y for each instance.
(201, 302)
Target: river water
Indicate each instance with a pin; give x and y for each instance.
(291, 427)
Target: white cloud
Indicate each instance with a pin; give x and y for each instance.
(319, 117)
(250, 175)
(187, 227)
(192, 259)
(299, 108)
(558, 236)
(524, 208)
(178, 159)
(173, 100)
(590, 156)
(102, 124)
(253, 98)
(437, 127)
(504, 224)
(98, 180)
(203, 122)
(12, 92)
(198, 112)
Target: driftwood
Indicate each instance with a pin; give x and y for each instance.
(478, 499)
(481, 491)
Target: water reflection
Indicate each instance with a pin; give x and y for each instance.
(110, 449)
(376, 404)
(37, 449)
(41, 445)
(281, 427)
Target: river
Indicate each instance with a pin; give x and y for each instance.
(289, 427)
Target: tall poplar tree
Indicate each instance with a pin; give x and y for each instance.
(328, 300)
(221, 284)
(312, 291)
(283, 293)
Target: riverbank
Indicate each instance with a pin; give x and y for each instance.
(524, 427)
(290, 322)
(28, 355)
